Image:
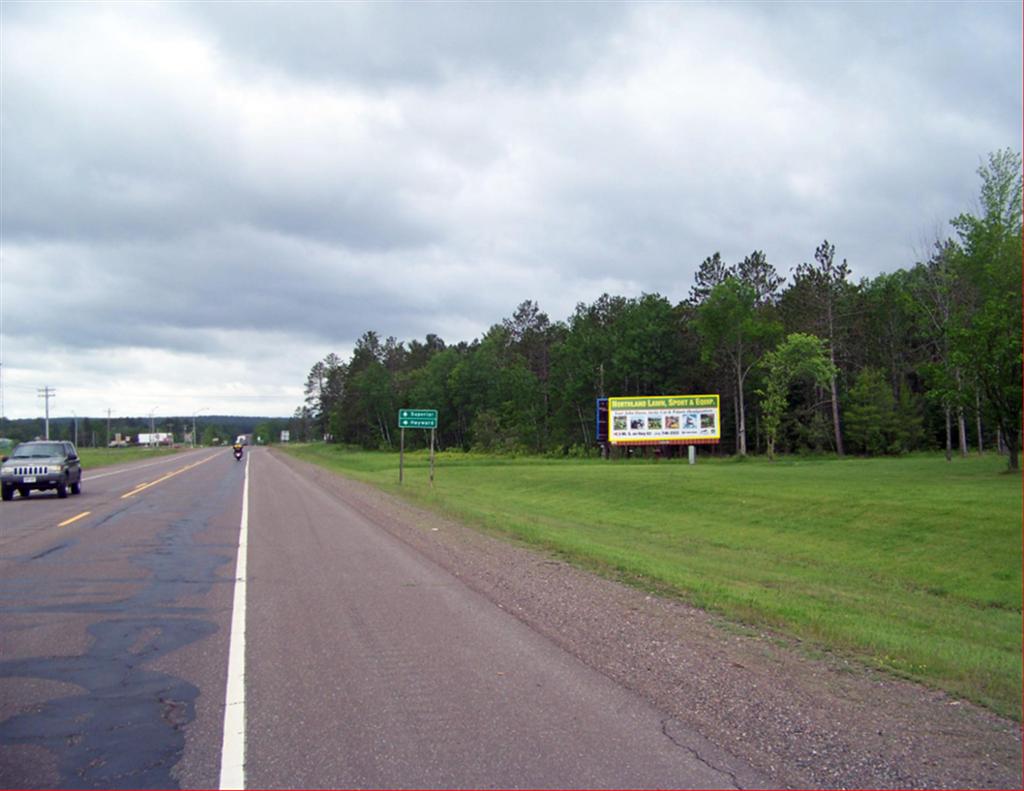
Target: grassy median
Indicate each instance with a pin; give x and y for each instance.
(910, 564)
(104, 457)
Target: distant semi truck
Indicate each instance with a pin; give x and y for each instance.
(158, 438)
(244, 439)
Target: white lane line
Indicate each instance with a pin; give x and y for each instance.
(232, 752)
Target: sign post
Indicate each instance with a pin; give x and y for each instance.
(416, 418)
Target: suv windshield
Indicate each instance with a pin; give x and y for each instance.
(38, 450)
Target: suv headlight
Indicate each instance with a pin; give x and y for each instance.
(54, 469)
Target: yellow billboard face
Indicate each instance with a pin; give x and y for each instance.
(664, 419)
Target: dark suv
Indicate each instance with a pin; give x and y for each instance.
(43, 464)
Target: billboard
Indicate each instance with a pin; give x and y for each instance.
(664, 420)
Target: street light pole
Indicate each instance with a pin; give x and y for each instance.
(152, 427)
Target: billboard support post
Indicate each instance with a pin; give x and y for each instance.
(693, 453)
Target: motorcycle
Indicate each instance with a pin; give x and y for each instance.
(238, 454)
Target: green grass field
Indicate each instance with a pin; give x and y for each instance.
(909, 564)
(103, 457)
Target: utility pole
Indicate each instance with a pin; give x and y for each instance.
(107, 443)
(47, 393)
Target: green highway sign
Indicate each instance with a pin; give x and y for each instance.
(417, 418)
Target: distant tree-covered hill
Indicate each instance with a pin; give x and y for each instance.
(99, 431)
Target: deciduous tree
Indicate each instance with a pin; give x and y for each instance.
(987, 337)
(800, 356)
(732, 329)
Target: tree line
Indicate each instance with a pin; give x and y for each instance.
(99, 432)
(922, 358)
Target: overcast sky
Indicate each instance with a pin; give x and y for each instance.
(200, 200)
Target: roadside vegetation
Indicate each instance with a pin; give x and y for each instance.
(804, 358)
(99, 433)
(103, 457)
(907, 556)
(912, 565)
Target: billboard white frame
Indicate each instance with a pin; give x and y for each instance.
(665, 420)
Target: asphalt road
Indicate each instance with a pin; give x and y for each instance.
(113, 627)
(366, 665)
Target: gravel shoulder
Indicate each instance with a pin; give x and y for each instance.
(804, 721)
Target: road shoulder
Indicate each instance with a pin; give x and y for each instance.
(805, 721)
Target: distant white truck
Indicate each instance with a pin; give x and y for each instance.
(158, 438)
(244, 439)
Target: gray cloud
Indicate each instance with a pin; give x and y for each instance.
(384, 44)
(218, 194)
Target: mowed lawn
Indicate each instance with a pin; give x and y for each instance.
(103, 457)
(909, 564)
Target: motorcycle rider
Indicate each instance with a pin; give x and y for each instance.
(238, 450)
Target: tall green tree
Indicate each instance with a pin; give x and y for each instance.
(712, 272)
(876, 421)
(821, 288)
(323, 389)
(582, 368)
(733, 330)
(359, 413)
(938, 294)
(298, 425)
(644, 355)
(532, 337)
(800, 356)
(987, 338)
(755, 270)
(429, 387)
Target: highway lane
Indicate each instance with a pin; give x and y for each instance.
(113, 628)
(366, 664)
(33, 522)
(370, 666)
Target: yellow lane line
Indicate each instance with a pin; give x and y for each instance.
(67, 522)
(143, 486)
